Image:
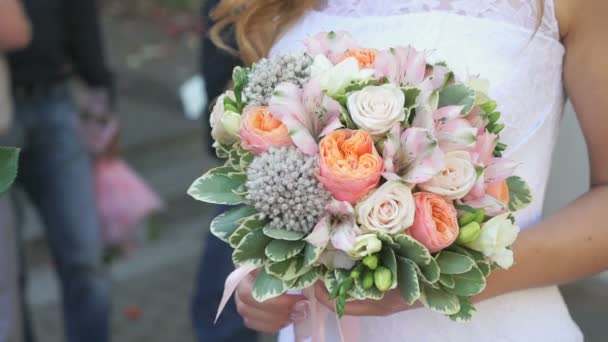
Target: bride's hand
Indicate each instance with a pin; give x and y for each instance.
(391, 303)
(271, 315)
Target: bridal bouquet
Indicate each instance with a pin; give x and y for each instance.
(368, 170)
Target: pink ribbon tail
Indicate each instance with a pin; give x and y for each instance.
(232, 282)
(313, 328)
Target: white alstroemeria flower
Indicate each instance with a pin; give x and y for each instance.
(335, 78)
(497, 235)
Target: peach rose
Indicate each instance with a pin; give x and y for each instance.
(349, 165)
(500, 191)
(435, 221)
(365, 57)
(260, 130)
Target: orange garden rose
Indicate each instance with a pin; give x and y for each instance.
(500, 191)
(435, 221)
(365, 57)
(260, 130)
(349, 165)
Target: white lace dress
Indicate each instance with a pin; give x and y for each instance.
(502, 41)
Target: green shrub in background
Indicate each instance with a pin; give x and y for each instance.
(9, 157)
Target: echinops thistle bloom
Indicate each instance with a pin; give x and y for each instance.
(281, 185)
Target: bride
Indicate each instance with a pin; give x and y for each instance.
(533, 53)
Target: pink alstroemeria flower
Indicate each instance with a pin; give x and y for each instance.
(336, 232)
(401, 65)
(415, 156)
(333, 44)
(307, 113)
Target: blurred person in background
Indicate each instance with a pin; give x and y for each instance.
(55, 169)
(15, 33)
(216, 263)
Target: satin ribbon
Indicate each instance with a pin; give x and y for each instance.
(311, 329)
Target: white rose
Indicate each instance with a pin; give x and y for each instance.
(457, 178)
(377, 108)
(224, 124)
(366, 244)
(335, 78)
(497, 235)
(389, 209)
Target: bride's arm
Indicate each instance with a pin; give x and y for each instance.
(574, 242)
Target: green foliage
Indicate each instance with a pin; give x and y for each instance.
(407, 277)
(411, 249)
(251, 249)
(267, 286)
(470, 283)
(454, 263)
(280, 250)
(439, 300)
(248, 225)
(219, 188)
(283, 234)
(519, 193)
(225, 224)
(9, 158)
(466, 310)
(457, 95)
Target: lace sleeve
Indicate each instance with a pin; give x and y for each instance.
(524, 13)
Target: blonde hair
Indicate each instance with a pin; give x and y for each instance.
(257, 24)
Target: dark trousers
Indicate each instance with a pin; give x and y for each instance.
(55, 172)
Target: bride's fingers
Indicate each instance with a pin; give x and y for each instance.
(260, 320)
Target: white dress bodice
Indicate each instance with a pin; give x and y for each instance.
(514, 45)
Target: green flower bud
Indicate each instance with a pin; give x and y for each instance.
(501, 147)
(480, 215)
(467, 218)
(356, 272)
(497, 128)
(493, 118)
(383, 278)
(371, 261)
(368, 280)
(469, 233)
(488, 107)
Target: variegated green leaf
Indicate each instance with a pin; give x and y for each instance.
(222, 170)
(387, 240)
(454, 263)
(267, 286)
(312, 254)
(447, 280)
(468, 284)
(431, 272)
(307, 279)
(407, 277)
(283, 234)
(251, 249)
(412, 249)
(387, 258)
(234, 159)
(439, 300)
(457, 95)
(519, 193)
(485, 268)
(218, 189)
(279, 250)
(227, 222)
(248, 225)
(288, 269)
(245, 160)
(467, 310)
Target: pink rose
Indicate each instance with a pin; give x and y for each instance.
(260, 130)
(435, 221)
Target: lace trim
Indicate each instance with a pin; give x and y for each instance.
(523, 13)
